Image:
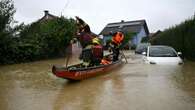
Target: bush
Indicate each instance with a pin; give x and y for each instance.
(181, 37)
(39, 40)
(6, 43)
(49, 38)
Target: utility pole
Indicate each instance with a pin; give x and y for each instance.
(194, 14)
(64, 8)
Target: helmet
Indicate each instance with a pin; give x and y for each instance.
(111, 33)
(95, 41)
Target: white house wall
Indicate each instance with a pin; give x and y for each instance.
(137, 38)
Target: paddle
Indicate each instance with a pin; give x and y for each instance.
(124, 56)
(68, 54)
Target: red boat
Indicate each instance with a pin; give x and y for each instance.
(75, 72)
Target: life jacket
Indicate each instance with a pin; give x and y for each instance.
(97, 51)
(118, 38)
(105, 62)
(96, 41)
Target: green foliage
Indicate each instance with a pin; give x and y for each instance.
(127, 37)
(145, 39)
(6, 14)
(181, 37)
(6, 18)
(48, 38)
(39, 40)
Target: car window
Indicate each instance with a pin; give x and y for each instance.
(162, 52)
(142, 48)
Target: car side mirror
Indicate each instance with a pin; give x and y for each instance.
(179, 53)
(144, 53)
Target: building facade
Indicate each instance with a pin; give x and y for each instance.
(139, 29)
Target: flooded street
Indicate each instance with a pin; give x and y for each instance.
(133, 86)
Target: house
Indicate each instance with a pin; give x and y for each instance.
(151, 35)
(47, 16)
(138, 27)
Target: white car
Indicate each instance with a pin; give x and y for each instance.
(162, 55)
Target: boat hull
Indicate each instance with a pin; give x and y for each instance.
(83, 73)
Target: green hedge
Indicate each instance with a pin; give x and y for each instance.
(39, 40)
(49, 37)
(181, 37)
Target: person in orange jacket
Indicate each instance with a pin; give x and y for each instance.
(117, 39)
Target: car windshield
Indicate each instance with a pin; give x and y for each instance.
(142, 47)
(162, 52)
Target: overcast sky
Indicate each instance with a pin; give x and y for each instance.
(159, 14)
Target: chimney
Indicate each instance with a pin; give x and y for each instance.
(122, 21)
(46, 12)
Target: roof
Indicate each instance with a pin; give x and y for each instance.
(155, 34)
(47, 16)
(129, 26)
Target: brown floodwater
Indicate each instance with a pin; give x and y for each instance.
(133, 86)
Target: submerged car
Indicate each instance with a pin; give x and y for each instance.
(162, 55)
(142, 47)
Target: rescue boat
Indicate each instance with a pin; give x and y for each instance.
(76, 72)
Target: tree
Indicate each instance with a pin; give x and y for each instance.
(128, 36)
(7, 11)
(39, 40)
(181, 37)
(48, 38)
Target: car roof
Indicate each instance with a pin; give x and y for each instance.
(160, 46)
(144, 44)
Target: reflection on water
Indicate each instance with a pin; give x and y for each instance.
(133, 86)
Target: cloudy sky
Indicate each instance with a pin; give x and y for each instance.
(159, 14)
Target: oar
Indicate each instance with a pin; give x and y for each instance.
(124, 56)
(67, 54)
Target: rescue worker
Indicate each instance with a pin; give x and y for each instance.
(117, 39)
(85, 38)
(97, 51)
(82, 26)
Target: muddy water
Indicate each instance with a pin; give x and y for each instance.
(133, 86)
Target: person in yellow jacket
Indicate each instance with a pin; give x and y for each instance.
(97, 51)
